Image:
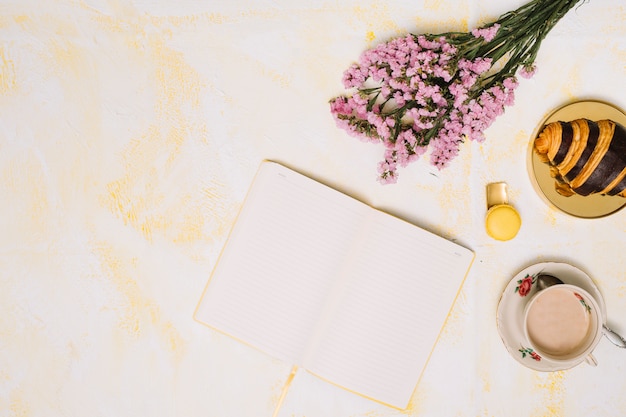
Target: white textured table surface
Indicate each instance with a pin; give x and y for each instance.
(129, 134)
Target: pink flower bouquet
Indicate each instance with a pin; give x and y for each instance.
(438, 90)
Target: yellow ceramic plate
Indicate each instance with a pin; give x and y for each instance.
(592, 206)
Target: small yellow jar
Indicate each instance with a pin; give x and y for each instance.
(502, 220)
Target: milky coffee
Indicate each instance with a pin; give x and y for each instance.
(558, 323)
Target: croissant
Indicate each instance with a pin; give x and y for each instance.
(585, 157)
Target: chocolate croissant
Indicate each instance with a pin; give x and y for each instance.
(585, 157)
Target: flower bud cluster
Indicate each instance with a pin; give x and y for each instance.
(432, 92)
(414, 91)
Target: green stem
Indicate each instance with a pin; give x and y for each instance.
(526, 36)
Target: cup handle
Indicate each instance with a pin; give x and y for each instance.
(591, 360)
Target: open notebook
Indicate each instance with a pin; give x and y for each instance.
(325, 282)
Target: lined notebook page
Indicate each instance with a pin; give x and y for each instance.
(400, 290)
(281, 259)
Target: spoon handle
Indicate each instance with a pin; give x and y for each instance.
(615, 338)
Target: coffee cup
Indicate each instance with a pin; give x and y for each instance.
(563, 323)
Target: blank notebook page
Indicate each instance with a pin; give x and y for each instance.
(281, 259)
(385, 324)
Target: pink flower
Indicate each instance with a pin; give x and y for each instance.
(510, 83)
(481, 65)
(527, 71)
(428, 44)
(399, 98)
(387, 172)
(341, 105)
(441, 72)
(353, 76)
(487, 33)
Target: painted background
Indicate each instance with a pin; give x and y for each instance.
(129, 133)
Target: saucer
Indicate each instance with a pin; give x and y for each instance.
(511, 310)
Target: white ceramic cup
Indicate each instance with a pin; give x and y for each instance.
(563, 323)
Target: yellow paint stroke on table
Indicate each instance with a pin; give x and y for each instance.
(455, 324)
(617, 14)
(144, 196)
(433, 4)
(22, 20)
(23, 182)
(554, 395)
(136, 312)
(419, 396)
(376, 18)
(67, 60)
(8, 77)
(618, 56)
(69, 57)
(18, 407)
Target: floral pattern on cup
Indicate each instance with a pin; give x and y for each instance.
(583, 302)
(525, 284)
(530, 353)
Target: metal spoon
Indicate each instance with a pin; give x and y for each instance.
(545, 280)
